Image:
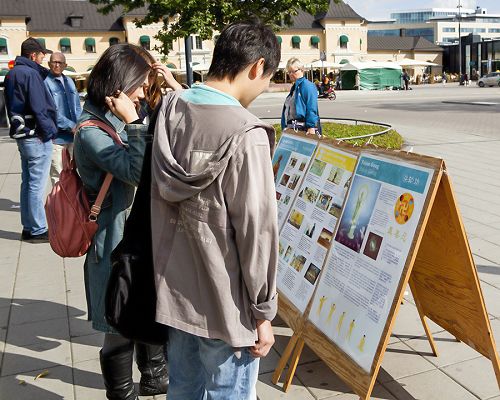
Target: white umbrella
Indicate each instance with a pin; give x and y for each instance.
(410, 62)
(323, 64)
(201, 67)
(72, 74)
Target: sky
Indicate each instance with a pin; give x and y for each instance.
(379, 9)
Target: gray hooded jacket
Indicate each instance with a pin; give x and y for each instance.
(214, 220)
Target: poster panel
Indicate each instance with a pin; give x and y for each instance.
(308, 231)
(369, 251)
(290, 162)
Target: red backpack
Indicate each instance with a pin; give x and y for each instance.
(72, 222)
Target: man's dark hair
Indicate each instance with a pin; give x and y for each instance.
(242, 44)
(121, 67)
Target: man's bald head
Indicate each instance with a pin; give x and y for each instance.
(57, 63)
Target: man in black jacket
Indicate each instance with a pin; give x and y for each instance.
(33, 123)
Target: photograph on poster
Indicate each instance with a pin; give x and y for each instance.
(318, 167)
(288, 253)
(286, 199)
(335, 175)
(281, 249)
(298, 262)
(280, 160)
(293, 162)
(324, 201)
(284, 179)
(310, 230)
(278, 195)
(372, 245)
(296, 218)
(403, 209)
(325, 238)
(312, 274)
(293, 182)
(302, 166)
(357, 212)
(335, 210)
(310, 194)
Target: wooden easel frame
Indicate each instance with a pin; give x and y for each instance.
(432, 290)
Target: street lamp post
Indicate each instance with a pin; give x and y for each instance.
(459, 40)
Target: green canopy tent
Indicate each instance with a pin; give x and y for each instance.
(372, 75)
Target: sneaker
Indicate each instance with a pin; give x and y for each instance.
(25, 235)
(42, 238)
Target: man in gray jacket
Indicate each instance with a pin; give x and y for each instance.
(214, 221)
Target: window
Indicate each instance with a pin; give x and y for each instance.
(65, 45)
(75, 21)
(199, 42)
(3, 46)
(343, 41)
(113, 40)
(448, 29)
(90, 45)
(314, 42)
(295, 42)
(494, 30)
(145, 42)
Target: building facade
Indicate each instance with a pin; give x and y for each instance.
(438, 25)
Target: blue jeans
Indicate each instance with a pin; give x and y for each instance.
(35, 166)
(210, 369)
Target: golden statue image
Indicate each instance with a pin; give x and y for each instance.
(330, 313)
(360, 201)
(351, 328)
(341, 321)
(361, 345)
(321, 302)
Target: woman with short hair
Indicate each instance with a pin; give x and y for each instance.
(300, 110)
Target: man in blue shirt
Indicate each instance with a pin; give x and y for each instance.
(32, 116)
(68, 106)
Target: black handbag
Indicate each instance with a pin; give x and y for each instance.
(130, 303)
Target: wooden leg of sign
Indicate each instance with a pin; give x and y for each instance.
(284, 358)
(292, 366)
(424, 322)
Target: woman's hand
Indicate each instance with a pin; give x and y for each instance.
(167, 75)
(311, 131)
(122, 107)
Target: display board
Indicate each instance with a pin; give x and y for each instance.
(290, 163)
(307, 233)
(412, 195)
(368, 254)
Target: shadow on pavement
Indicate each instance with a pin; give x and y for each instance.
(10, 235)
(337, 385)
(9, 205)
(14, 387)
(488, 270)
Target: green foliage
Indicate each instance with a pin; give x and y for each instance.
(185, 17)
(389, 140)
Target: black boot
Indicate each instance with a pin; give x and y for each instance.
(116, 370)
(153, 367)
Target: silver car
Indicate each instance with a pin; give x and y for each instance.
(491, 79)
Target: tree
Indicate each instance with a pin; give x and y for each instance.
(182, 18)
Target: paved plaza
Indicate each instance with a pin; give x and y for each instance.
(43, 326)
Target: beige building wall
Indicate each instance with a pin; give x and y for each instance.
(307, 53)
(14, 31)
(356, 46)
(79, 58)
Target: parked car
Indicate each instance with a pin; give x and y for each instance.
(491, 79)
